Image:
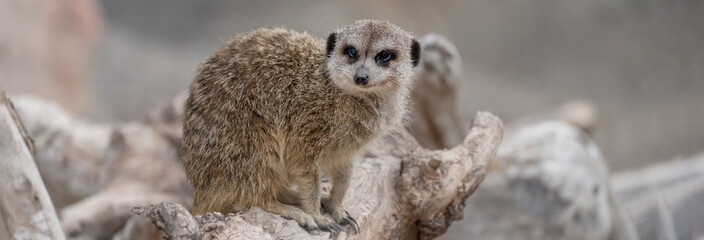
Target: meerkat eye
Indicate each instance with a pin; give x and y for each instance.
(383, 57)
(352, 53)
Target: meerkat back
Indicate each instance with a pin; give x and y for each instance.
(230, 112)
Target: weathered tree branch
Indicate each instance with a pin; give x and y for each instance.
(101, 171)
(171, 212)
(447, 178)
(25, 206)
(400, 191)
(69, 151)
(140, 168)
(549, 181)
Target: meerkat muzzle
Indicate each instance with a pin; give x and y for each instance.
(361, 76)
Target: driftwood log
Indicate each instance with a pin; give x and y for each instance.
(667, 204)
(403, 190)
(98, 172)
(25, 205)
(549, 181)
(69, 151)
(140, 169)
(400, 191)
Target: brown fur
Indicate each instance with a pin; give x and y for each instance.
(270, 110)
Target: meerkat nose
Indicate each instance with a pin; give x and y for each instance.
(361, 76)
(361, 79)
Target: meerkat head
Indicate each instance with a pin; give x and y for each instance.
(372, 57)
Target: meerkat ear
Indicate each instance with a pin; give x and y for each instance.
(332, 39)
(415, 52)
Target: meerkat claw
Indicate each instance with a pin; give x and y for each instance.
(325, 228)
(310, 227)
(349, 220)
(352, 224)
(336, 227)
(332, 228)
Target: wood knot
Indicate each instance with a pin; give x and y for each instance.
(431, 172)
(434, 163)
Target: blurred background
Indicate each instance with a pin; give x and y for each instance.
(640, 61)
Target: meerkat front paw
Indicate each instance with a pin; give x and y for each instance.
(314, 223)
(303, 219)
(343, 217)
(326, 224)
(307, 221)
(340, 215)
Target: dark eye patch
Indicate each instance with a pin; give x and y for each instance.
(351, 52)
(384, 57)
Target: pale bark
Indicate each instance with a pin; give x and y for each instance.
(100, 171)
(400, 191)
(549, 181)
(69, 151)
(25, 205)
(667, 204)
(140, 168)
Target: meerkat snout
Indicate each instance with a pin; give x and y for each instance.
(361, 76)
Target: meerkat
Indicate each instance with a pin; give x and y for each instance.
(274, 107)
(435, 121)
